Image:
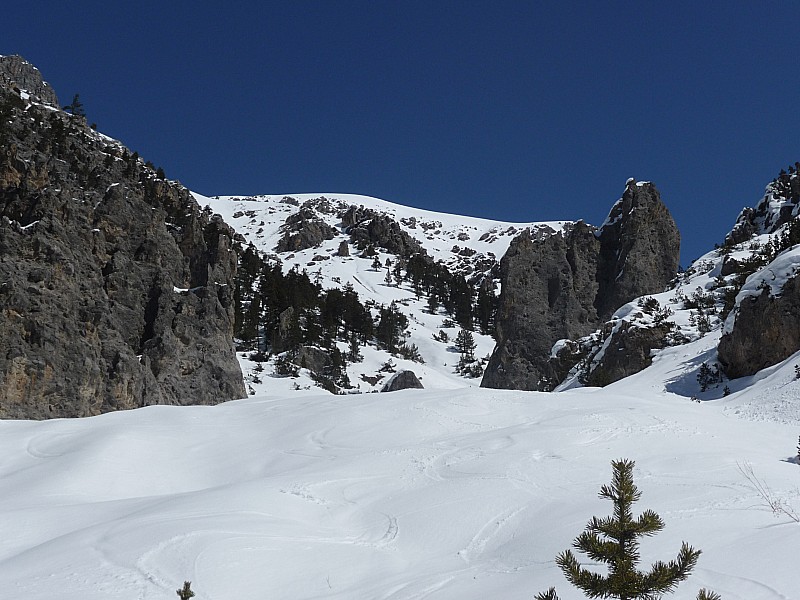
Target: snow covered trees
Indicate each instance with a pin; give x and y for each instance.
(613, 540)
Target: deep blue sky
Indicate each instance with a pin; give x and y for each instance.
(510, 110)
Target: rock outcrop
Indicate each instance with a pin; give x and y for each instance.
(116, 287)
(564, 284)
(763, 330)
(402, 380)
(304, 230)
(16, 72)
(368, 228)
(764, 326)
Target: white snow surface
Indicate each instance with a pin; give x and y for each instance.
(437, 232)
(449, 494)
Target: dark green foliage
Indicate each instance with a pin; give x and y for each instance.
(486, 307)
(614, 541)
(465, 345)
(410, 352)
(798, 449)
(391, 328)
(449, 290)
(433, 304)
(708, 376)
(186, 592)
(281, 312)
(284, 365)
(441, 336)
(76, 106)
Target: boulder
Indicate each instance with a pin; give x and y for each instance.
(402, 380)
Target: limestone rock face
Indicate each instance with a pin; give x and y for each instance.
(17, 72)
(548, 286)
(564, 284)
(640, 248)
(116, 289)
(766, 331)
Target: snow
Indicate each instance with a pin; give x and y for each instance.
(772, 277)
(449, 494)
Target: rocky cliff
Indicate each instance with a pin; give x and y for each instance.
(764, 325)
(565, 284)
(115, 286)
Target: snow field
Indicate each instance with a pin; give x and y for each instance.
(463, 493)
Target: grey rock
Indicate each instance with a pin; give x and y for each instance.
(17, 72)
(628, 351)
(344, 249)
(566, 284)
(402, 380)
(368, 228)
(117, 288)
(766, 330)
(640, 248)
(303, 230)
(314, 359)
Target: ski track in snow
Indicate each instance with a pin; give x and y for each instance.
(415, 494)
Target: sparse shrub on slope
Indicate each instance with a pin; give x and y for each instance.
(614, 541)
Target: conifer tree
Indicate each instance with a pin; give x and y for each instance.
(76, 106)
(798, 450)
(186, 592)
(465, 344)
(614, 540)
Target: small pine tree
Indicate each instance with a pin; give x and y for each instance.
(76, 106)
(465, 344)
(613, 540)
(798, 450)
(186, 592)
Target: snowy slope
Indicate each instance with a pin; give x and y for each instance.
(468, 245)
(453, 494)
(260, 218)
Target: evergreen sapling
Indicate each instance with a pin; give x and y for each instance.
(614, 541)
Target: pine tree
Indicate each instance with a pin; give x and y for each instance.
(613, 540)
(76, 106)
(186, 592)
(465, 344)
(798, 450)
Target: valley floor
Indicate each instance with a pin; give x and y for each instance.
(446, 494)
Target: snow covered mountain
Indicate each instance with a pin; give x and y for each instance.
(466, 246)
